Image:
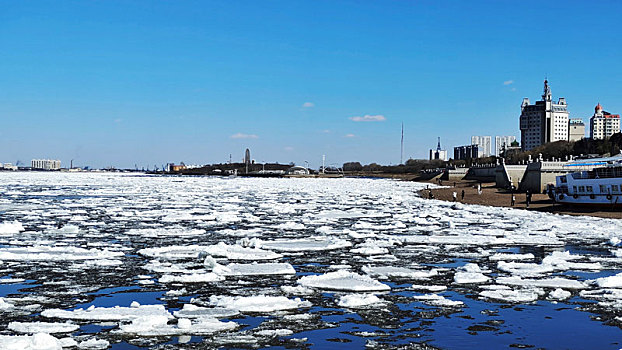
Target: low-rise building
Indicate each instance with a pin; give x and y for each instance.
(45, 164)
(439, 154)
(576, 129)
(466, 152)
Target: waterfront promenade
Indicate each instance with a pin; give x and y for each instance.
(497, 197)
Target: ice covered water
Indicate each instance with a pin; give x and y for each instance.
(117, 260)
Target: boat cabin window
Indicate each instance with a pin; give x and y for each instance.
(614, 188)
(603, 189)
(589, 189)
(574, 189)
(563, 179)
(581, 188)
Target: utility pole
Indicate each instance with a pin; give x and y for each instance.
(323, 162)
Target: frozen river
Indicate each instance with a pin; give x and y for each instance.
(117, 261)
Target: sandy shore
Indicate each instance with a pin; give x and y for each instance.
(501, 198)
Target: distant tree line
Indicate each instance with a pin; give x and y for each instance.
(412, 166)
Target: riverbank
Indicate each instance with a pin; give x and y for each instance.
(496, 197)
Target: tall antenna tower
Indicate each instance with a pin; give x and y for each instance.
(402, 146)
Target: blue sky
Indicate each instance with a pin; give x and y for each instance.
(150, 82)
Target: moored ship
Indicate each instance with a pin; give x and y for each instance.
(601, 186)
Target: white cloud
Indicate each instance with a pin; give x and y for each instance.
(244, 136)
(308, 105)
(369, 118)
(508, 82)
(326, 131)
(349, 135)
(118, 120)
(289, 148)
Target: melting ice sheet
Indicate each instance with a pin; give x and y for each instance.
(116, 260)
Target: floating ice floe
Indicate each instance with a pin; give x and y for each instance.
(614, 281)
(94, 344)
(259, 303)
(10, 228)
(509, 256)
(38, 341)
(6, 305)
(233, 252)
(431, 288)
(553, 282)
(358, 300)
(343, 280)
(297, 290)
(559, 294)
(68, 229)
(159, 326)
(42, 327)
(470, 273)
(282, 332)
(385, 272)
(506, 294)
(165, 232)
(192, 278)
(302, 244)
(193, 311)
(60, 253)
(437, 300)
(259, 269)
(116, 313)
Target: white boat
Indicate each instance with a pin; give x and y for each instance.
(601, 186)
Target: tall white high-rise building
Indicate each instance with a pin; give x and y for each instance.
(603, 124)
(484, 145)
(502, 142)
(544, 121)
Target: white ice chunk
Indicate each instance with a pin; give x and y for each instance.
(358, 300)
(259, 269)
(512, 296)
(39, 341)
(559, 294)
(554, 282)
(318, 243)
(10, 228)
(42, 327)
(192, 278)
(108, 313)
(470, 273)
(509, 256)
(94, 344)
(343, 280)
(259, 303)
(59, 253)
(385, 272)
(193, 311)
(275, 332)
(158, 326)
(614, 281)
(437, 300)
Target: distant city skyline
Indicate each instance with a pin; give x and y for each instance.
(153, 82)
